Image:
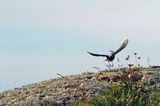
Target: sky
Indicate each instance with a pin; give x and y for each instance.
(40, 38)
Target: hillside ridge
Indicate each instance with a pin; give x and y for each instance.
(60, 91)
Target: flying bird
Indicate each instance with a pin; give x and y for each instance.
(111, 57)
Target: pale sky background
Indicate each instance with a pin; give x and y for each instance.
(39, 38)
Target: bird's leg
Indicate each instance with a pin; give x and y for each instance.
(112, 64)
(109, 68)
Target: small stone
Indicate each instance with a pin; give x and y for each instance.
(82, 85)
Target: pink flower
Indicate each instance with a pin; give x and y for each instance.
(127, 58)
(143, 78)
(130, 65)
(129, 75)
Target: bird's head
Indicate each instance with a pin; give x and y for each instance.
(112, 52)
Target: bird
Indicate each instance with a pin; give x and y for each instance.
(111, 57)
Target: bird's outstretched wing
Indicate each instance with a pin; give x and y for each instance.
(122, 46)
(93, 54)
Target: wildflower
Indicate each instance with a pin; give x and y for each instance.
(130, 65)
(127, 59)
(143, 78)
(129, 75)
(135, 53)
(136, 62)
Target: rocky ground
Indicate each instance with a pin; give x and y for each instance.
(58, 92)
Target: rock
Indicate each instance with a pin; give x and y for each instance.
(152, 82)
(96, 90)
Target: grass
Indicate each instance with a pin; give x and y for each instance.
(130, 90)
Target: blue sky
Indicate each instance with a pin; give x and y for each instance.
(41, 38)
